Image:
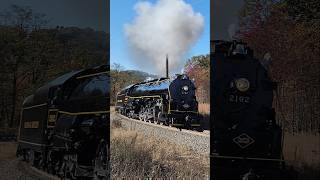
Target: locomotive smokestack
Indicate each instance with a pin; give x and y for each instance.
(167, 66)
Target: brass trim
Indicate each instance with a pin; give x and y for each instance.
(48, 118)
(31, 124)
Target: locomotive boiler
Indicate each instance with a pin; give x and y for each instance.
(246, 140)
(163, 101)
(64, 126)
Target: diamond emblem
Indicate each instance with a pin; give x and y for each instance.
(243, 140)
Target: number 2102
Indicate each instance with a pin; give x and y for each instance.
(239, 99)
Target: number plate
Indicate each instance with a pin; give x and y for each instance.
(239, 99)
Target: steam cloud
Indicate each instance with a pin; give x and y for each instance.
(166, 27)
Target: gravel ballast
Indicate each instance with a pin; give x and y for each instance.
(199, 142)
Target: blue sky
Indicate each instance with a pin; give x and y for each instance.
(122, 12)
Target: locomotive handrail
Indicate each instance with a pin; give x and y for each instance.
(134, 97)
(162, 79)
(38, 105)
(81, 113)
(184, 111)
(28, 142)
(183, 124)
(89, 75)
(152, 81)
(248, 158)
(169, 106)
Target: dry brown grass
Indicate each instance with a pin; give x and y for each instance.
(302, 151)
(7, 150)
(204, 108)
(116, 124)
(134, 156)
(8, 131)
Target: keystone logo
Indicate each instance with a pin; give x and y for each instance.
(243, 140)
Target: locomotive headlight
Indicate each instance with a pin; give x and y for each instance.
(185, 88)
(242, 84)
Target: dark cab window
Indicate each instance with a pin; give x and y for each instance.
(94, 86)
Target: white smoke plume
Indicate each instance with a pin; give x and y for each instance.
(166, 27)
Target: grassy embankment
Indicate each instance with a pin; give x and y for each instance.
(204, 110)
(135, 156)
(8, 150)
(302, 151)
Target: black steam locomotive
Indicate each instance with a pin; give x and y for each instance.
(64, 126)
(166, 101)
(245, 138)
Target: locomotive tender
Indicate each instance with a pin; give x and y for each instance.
(163, 100)
(246, 141)
(64, 126)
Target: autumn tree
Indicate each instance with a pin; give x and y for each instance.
(290, 32)
(198, 69)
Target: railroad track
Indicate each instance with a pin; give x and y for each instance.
(199, 142)
(205, 133)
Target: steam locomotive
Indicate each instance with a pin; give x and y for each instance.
(246, 140)
(64, 126)
(162, 101)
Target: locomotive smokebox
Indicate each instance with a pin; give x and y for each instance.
(167, 66)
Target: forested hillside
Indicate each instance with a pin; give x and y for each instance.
(32, 53)
(121, 78)
(289, 31)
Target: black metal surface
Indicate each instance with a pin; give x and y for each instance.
(162, 100)
(243, 122)
(67, 119)
(41, 95)
(37, 118)
(155, 87)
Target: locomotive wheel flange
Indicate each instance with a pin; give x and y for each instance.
(156, 118)
(30, 157)
(101, 162)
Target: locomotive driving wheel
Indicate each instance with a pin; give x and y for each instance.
(155, 118)
(171, 122)
(101, 166)
(141, 114)
(67, 167)
(156, 115)
(29, 157)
